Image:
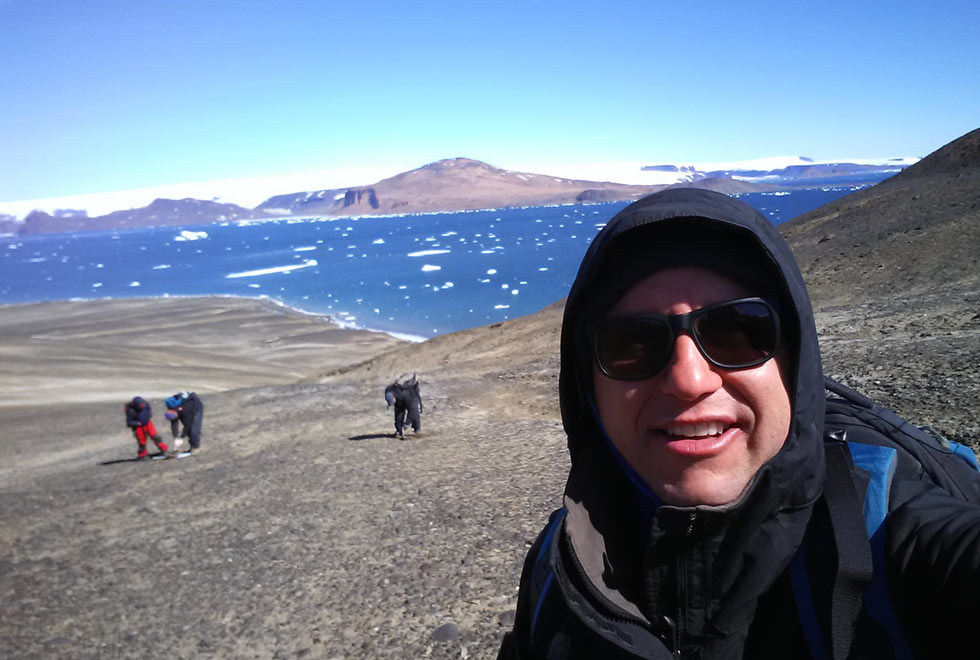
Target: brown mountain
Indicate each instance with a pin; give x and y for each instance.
(463, 184)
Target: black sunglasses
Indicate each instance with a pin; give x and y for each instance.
(734, 334)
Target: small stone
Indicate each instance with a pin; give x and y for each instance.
(447, 632)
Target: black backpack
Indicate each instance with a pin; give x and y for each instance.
(860, 432)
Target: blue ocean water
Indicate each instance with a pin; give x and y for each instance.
(414, 275)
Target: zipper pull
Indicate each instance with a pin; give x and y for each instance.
(691, 517)
(667, 632)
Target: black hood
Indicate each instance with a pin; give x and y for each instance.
(796, 472)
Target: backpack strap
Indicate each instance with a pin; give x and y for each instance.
(854, 563)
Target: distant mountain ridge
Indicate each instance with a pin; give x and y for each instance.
(454, 184)
(806, 171)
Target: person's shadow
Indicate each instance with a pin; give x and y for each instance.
(119, 460)
(371, 436)
(116, 461)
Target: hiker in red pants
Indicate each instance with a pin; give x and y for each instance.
(138, 418)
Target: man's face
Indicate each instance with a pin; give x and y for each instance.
(696, 433)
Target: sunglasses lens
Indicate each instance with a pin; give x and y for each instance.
(631, 349)
(738, 335)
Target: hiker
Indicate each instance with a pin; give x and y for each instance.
(139, 418)
(185, 409)
(404, 395)
(703, 516)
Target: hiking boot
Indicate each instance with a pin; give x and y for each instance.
(196, 450)
(400, 435)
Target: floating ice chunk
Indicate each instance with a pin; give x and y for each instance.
(402, 286)
(305, 248)
(514, 292)
(274, 269)
(504, 286)
(253, 285)
(134, 283)
(448, 285)
(492, 271)
(378, 241)
(97, 285)
(486, 251)
(428, 268)
(187, 235)
(448, 233)
(426, 253)
(501, 306)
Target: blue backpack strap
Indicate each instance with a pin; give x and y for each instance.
(880, 462)
(867, 531)
(803, 596)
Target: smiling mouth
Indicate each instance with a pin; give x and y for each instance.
(699, 430)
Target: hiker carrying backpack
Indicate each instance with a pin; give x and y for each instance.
(718, 505)
(404, 395)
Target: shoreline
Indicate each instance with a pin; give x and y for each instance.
(342, 325)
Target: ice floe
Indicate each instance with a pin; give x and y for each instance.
(188, 235)
(275, 269)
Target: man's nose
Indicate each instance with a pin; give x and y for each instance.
(688, 375)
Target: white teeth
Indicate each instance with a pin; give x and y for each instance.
(699, 430)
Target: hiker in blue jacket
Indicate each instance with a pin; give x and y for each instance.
(710, 512)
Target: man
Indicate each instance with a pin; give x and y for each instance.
(404, 395)
(693, 399)
(139, 418)
(187, 409)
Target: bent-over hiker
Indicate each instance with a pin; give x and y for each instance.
(186, 409)
(139, 416)
(404, 395)
(712, 509)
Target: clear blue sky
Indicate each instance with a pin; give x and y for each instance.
(102, 95)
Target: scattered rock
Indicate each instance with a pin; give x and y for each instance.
(447, 632)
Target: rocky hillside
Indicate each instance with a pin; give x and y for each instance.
(917, 232)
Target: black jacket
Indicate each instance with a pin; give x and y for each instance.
(189, 407)
(612, 576)
(405, 395)
(138, 412)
